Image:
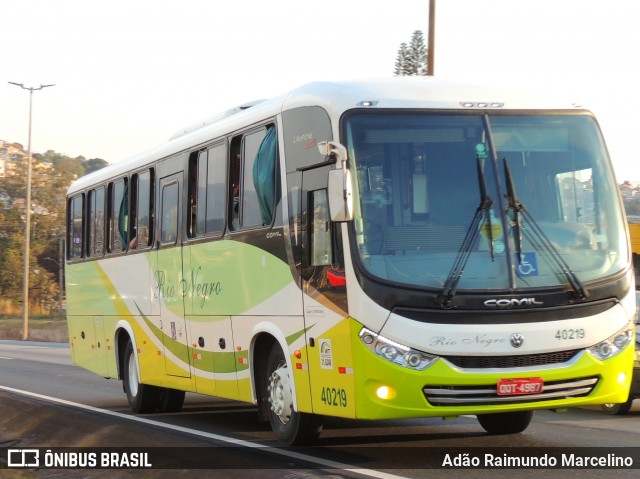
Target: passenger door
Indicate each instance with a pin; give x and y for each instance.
(325, 301)
(169, 275)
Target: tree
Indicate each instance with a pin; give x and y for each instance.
(50, 156)
(401, 61)
(418, 54)
(94, 164)
(52, 173)
(70, 165)
(412, 58)
(11, 254)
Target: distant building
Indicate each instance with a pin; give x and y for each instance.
(11, 155)
(3, 159)
(5, 200)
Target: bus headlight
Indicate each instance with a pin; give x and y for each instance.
(612, 345)
(394, 352)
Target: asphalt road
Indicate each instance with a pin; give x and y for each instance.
(46, 402)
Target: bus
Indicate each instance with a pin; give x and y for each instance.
(634, 233)
(391, 249)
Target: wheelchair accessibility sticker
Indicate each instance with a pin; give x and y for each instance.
(527, 264)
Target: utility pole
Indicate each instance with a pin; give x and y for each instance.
(431, 47)
(27, 222)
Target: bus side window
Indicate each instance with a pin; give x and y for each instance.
(216, 189)
(249, 208)
(169, 220)
(75, 227)
(194, 205)
(141, 210)
(131, 238)
(199, 185)
(254, 182)
(95, 232)
(234, 201)
(118, 215)
(207, 191)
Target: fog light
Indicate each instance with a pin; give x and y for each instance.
(622, 378)
(385, 392)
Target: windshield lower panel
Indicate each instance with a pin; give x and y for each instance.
(433, 201)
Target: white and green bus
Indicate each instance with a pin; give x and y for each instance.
(374, 250)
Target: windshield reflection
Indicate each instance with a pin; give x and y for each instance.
(418, 193)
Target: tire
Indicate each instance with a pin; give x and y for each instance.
(292, 428)
(618, 409)
(171, 400)
(142, 397)
(505, 422)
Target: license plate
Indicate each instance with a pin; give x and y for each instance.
(514, 387)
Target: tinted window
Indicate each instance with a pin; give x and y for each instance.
(142, 234)
(118, 216)
(250, 209)
(216, 189)
(169, 223)
(75, 227)
(254, 181)
(95, 240)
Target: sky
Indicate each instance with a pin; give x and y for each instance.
(130, 73)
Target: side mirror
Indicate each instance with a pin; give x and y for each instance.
(339, 185)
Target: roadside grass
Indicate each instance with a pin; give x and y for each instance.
(41, 328)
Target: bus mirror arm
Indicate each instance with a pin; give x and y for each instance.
(334, 150)
(339, 186)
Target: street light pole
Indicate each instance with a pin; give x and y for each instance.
(27, 223)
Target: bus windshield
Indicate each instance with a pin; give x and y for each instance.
(433, 187)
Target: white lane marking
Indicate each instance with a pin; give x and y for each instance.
(209, 435)
(4, 357)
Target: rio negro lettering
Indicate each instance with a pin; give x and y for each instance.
(200, 289)
(166, 288)
(482, 340)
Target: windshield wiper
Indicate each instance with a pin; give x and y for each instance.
(516, 208)
(483, 211)
(536, 236)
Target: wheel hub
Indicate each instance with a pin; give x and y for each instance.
(133, 377)
(280, 396)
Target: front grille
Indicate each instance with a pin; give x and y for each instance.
(522, 361)
(488, 395)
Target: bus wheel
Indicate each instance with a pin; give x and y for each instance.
(618, 408)
(291, 427)
(505, 422)
(171, 400)
(142, 397)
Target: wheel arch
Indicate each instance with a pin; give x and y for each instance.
(264, 336)
(123, 334)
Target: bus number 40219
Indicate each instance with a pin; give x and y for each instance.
(334, 397)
